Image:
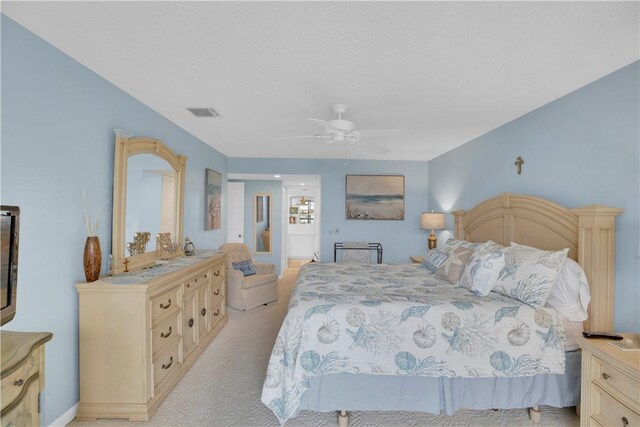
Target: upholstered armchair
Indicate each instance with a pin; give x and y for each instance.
(247, 292)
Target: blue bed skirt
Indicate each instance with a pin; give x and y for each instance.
(435, 395)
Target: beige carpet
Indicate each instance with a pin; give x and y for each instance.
(224, 385)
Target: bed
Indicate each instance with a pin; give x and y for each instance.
(391, 337)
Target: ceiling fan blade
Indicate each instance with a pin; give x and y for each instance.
(381, 132)
(302, 136)
(325, 125)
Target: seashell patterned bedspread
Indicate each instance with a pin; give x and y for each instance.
(402, 320)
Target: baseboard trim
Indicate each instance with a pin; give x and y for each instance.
(67, 417)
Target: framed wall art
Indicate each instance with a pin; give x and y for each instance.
(213, 197)
(375, 197)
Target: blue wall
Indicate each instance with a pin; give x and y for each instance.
(578, 150)
(400, 239)
(57, 120)
(57, 138)
(251, 188)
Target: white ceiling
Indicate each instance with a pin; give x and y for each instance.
(445, 71)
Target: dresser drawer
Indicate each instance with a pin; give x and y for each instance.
(609, 412)
(199, 280)
(164, 332)
(14, 383)
(23, 412)
(166, 362)
(217, 310)
(594, 422)
(217, 273)
(216, 289)
(614, 381)
(165, 304)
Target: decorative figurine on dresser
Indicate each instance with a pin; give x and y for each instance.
(140, 331)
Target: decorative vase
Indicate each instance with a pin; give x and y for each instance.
(92, 259)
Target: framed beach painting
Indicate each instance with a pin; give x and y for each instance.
(375, 197)
(213, 197)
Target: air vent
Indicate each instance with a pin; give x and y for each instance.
(204, 112)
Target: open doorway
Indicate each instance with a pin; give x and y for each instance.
(296, 239)
(303, 228)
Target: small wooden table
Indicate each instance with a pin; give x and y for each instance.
(610, 392)
(417, 259)
(22, 372)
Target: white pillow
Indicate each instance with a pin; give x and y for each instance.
(482, 270)
(570, 294)
(529, 274)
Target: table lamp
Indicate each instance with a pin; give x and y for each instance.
(432, 221)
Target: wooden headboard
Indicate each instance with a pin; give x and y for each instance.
(588, 232)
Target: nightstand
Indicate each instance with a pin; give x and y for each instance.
(610, 394)
(417, 259)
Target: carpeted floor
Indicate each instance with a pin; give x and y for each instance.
(224, 385)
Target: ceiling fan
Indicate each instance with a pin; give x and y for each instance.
(341, 130)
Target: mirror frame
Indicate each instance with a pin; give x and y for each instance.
(255, 214)
(126, 146)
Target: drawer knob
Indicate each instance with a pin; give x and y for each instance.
(19, 382)
(217, 273)
(203, 311)
(190, 323)
(163, 335)
(169, 365)
(216, 312)
(625, 421)
(164, 307)
(216, 292)
(605, 376)
(196, 280)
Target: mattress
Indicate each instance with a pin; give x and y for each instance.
(397, 320)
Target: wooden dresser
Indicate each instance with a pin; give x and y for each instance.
(610, 394)
(141, 331)
(22, 375)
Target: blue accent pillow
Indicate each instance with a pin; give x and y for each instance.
(247, 267)
(434, 259)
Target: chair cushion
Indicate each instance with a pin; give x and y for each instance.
(258, 280)
(236, 252)
(246, 267)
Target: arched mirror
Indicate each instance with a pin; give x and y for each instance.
(262, 222)
(148, 202)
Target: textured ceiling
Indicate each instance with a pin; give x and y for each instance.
(446, 72)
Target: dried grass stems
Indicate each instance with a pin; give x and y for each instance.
(92, 218)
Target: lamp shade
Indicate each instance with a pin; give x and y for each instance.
(432, 221)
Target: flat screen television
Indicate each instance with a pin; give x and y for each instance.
(9, 232)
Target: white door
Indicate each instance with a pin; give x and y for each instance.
(235, 212)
